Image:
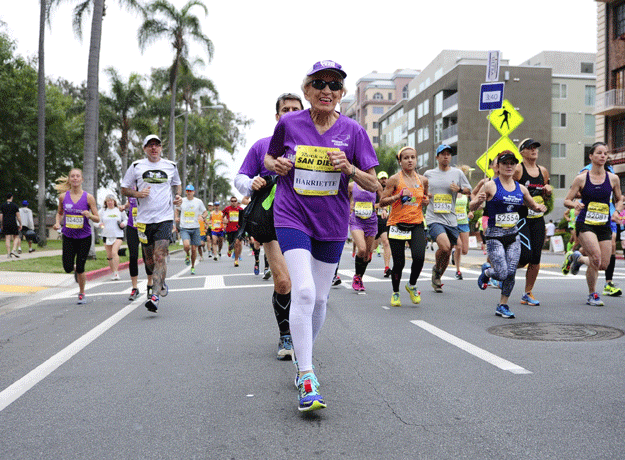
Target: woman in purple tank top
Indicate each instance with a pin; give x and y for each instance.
(363, 222)
(597, 188)
(76, 208)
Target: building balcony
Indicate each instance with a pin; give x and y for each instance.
(450, 105)
(610, 103)
(450, 135)
(618, 156)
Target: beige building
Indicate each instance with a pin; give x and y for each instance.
(375, 94)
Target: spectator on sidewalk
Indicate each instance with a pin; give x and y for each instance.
(11, 223)
(550, 230)
(28, 226)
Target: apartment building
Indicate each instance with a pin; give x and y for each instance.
(610, 97)
(375, 94)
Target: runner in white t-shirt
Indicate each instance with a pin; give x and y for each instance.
(187, 221)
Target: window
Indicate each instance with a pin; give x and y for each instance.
(423, 159)
(558, 91)
(390, 96)
(420, 110)
(376, 125)
(384, 124)
(619, 20)
(426, 132)
(376, 139)
(589, 95)
(426, 107)
(438, 103)
(404, 92)
(421, 86)
(589, 125)
(558, 150)
(619, 79)
(557, 180)
(377, 110)
(411, 119)
(378, 97)
(438, 74)
(558, 120)
(420, 135)
(618, 134)
(438, 130)
(587, 67)
(411, 138)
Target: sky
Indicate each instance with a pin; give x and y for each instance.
(264, 49)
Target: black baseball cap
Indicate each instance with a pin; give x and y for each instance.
(527, 143)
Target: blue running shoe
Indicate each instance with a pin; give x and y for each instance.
(309, 397)
(595, 300)
(482, 280)
(528, 299)
(164, 290)
(494, 283)
(503, 311)
(575, 263)
(256, 270)
(285, 347)
(152, 304)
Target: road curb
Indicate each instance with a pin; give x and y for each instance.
(94, 274)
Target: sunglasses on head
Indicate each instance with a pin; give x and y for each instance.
(320, 84)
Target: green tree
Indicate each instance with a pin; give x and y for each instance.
(387, 157)
(178, 26)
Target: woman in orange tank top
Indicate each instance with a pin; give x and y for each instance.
(407, 193)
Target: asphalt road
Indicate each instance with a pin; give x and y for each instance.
(200, 379)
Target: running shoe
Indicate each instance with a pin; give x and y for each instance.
(256, 270)
(309, 397)
(494, 283)
(357, 283)
(285, 347)
(415, 294)
(387, 272)
(236, 263)
(611, 290)
(19, 250)
(31, 250)
(115, 277)
(187, 260)
(395, 300)
(267, 274)
(529, 299)
(134, 294)
(193, 271)
(436, 280)
(148, 291)
(575, 263)
(336, 280)
(566, 264)
(164, 290)
(458, 275)
(595, 300)
(15, 254)
(215, 258)
(229, 254)
(503, 311)
(482, 280)
(82, 299)
(152, 303)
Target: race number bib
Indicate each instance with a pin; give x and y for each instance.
(314, 174)
(189, 217)
(441, 203)
(395, 233)
(597, 213)
(506, 220)
(531, 214)
(74, 221)
(461, 213)
(141, 233)
(234, 216)
(134, 212)
(364, 210)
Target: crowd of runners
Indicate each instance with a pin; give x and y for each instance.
(313, 183)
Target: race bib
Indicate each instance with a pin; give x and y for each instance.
(364, 210)
(395, 233)
(506, 220)
(134, 212)
(141, 233)
(597, 213)
(461, 213)
(314, 174)
(189, 217)
(531, 214)
(234, 216)
(74, 221)
(441, 203)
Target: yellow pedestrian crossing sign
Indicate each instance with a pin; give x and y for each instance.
(504, 143)
(506, 119)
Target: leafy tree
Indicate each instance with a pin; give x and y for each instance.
(178, 26)
(387, 156)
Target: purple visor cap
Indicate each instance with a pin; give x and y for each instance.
(327, 65)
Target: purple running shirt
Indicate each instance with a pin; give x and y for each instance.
(254, 162)
(313, 197)
(75, 224)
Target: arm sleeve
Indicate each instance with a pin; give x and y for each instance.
(243, 184)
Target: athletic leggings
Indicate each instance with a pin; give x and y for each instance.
(417, 249)
(503, 261)
(75, 252)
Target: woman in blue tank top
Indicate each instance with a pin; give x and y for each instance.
(504, 199)
(596, 187)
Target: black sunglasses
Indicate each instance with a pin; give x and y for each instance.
(333, 85)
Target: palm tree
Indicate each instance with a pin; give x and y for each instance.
(176, 26)
(124, 103)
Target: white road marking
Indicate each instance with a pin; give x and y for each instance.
(472, 349)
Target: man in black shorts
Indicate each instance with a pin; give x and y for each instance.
(11, 225)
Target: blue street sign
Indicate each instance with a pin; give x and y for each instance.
(491, 96)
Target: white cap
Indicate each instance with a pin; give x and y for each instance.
(149, 138)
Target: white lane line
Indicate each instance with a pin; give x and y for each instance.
(214, 282)
(17, 389)
(472, 349)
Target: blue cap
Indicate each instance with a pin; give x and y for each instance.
(190, 187)
(442, 148)
(327, 65)
(24, 203)
(216, 203)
